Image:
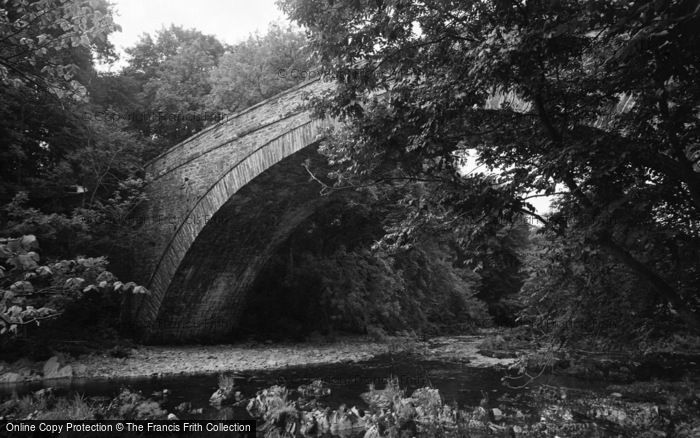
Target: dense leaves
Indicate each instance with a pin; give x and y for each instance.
(32, 292)
(72, 170)
(173, 71)
(42, 40)
(593, 100)
(258, 68)
(74, 140)
(584, 296)
(326, 279)
(181, 80)
(102, 228)
(46, 55)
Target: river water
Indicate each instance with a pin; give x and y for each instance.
(457, 382)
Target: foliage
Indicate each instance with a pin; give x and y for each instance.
(102, 228)
(82, 290)
(46, 55)
(326, 278)
(51, 228)
(181, 80)
(109, 158)
(38, 38)
(258, 68)
(578, 296)
(46, 404)
(74, 409)
(43, 405)
(594, 101)
(20, 255)
(76, 139)
(644, 409)
(541, 412)
(173, 71)
(133, 405)
(68, 173)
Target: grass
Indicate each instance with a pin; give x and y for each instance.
(76, 408)
(48, 408)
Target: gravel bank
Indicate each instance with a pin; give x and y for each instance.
(161, 361)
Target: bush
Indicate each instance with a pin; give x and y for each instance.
(329, 276)
(101, 228)
(417, 292)
(577, 295)
(79, 293)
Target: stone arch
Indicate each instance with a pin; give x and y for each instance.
(249, 185)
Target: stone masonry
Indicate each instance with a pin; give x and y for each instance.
(219, 204)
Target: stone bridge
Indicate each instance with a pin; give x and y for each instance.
(220, 203)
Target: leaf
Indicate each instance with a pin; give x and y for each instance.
(74, 283)
(106, 276)
(44, 271)
(14, 246)
(27, 261)
(22, 287)
(141, 290)
(29, 242)
(90, 288)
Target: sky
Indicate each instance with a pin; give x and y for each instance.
(229, 20)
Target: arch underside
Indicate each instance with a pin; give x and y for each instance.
(207, 294)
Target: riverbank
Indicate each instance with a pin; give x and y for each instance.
(389, 394)
(579, 395)
(164, 361)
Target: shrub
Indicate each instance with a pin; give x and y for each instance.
(419, 291)
(576, 295)
(80, 289)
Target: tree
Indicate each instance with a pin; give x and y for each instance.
(31, 293)
(326, 278)
(584, 297)
(258, 68)
(536, 88)
(38, 40)
(184, 80)
(69, 170)
(172, 74)
(46, 52)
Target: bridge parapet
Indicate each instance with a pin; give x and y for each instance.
(259, 116)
